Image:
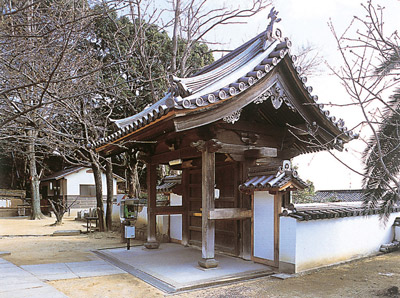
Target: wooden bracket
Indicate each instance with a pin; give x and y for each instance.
(249, 138)
(173, 144)
(213, 145)
(200, 145)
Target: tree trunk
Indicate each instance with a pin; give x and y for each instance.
(110, 193)
(13, 171)
(175, 36)
(34, 177)
(99, 193)
(132, 176)
(58, 209)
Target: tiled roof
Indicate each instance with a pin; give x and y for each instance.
(168, 183)
(66, 172)
(62, 174)
(223, 80)
(278, 179)
(344, 195)
(270, 181)
(315, 211)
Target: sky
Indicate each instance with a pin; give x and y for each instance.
(304, 22)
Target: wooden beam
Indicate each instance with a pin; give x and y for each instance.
(241, 149)
(230, 213)
(214, 145)
(165, 210)
(184, 153)
(262, 152)
(257, 128)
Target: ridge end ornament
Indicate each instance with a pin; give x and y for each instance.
(269, 34)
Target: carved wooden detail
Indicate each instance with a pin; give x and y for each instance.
(249, 138)
(232, 118)
(277, 94)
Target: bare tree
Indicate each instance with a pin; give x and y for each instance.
(193, 19)
(370, 72)
(309, 59)
(110, 192)
(38, 58)
(59, 208)
(37, 40)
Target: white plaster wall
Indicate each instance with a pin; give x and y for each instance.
(324, 242)
(162, 221)
(175, 219)
(263, 225)
(287, 240)
(5, 203)
(82, 177)
(142, 218)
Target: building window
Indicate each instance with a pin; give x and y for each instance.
(87, 190)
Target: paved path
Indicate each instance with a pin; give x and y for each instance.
(18, 283)
(58, 271)
(27, 281)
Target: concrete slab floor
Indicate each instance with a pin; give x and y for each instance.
(282, 276)
(173, 267)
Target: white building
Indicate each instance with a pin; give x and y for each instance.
(76, 186)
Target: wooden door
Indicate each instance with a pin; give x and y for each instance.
(226, 231)
(194, 205)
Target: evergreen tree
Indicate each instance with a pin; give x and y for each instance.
(382, 155)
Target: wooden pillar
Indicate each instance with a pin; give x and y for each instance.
(185, 204)
(151, 206)
(277, 211)
(208, 226)
(246, 202)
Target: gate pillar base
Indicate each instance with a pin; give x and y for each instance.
(208, 263)
(152, 245)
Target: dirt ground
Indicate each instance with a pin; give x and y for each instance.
(39, 247)
(372, 277)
